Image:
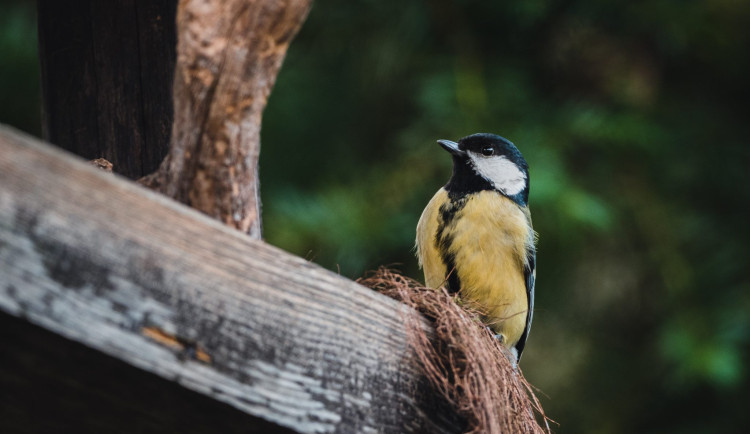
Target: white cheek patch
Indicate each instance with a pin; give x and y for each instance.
(502, 173)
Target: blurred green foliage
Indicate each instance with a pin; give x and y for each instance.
(19, 67)
(632, 116)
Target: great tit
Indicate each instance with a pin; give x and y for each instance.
(475, 235)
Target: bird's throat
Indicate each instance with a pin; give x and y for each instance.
(465, 179)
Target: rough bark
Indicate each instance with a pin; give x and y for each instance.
(106, 263)
(228, 56)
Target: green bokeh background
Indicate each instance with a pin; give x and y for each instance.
(633, 118)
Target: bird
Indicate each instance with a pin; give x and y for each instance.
(476, 238)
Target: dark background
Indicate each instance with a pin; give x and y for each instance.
(632, 116)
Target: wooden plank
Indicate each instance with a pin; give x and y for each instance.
(128, 272)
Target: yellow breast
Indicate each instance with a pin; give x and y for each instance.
(488, 238)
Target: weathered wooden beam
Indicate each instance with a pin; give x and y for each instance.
(104, 262)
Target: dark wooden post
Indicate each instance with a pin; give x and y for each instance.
(107, 70)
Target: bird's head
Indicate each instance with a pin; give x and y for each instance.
(487, 161)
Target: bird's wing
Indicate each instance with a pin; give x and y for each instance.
(529, 273)
(426, 246)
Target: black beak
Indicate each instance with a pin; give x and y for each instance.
(451, 147)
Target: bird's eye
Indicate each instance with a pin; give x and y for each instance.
(488, 151)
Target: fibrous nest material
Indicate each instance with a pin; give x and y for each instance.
(463, 361)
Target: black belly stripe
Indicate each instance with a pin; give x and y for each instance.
(443, 242)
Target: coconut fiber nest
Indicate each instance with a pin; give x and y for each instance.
(463, 360)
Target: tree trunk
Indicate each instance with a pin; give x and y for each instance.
(228, 56)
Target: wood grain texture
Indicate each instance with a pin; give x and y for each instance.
(228, 56)
(128, 272)
(107, 70)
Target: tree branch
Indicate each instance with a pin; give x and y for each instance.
(228, 56)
